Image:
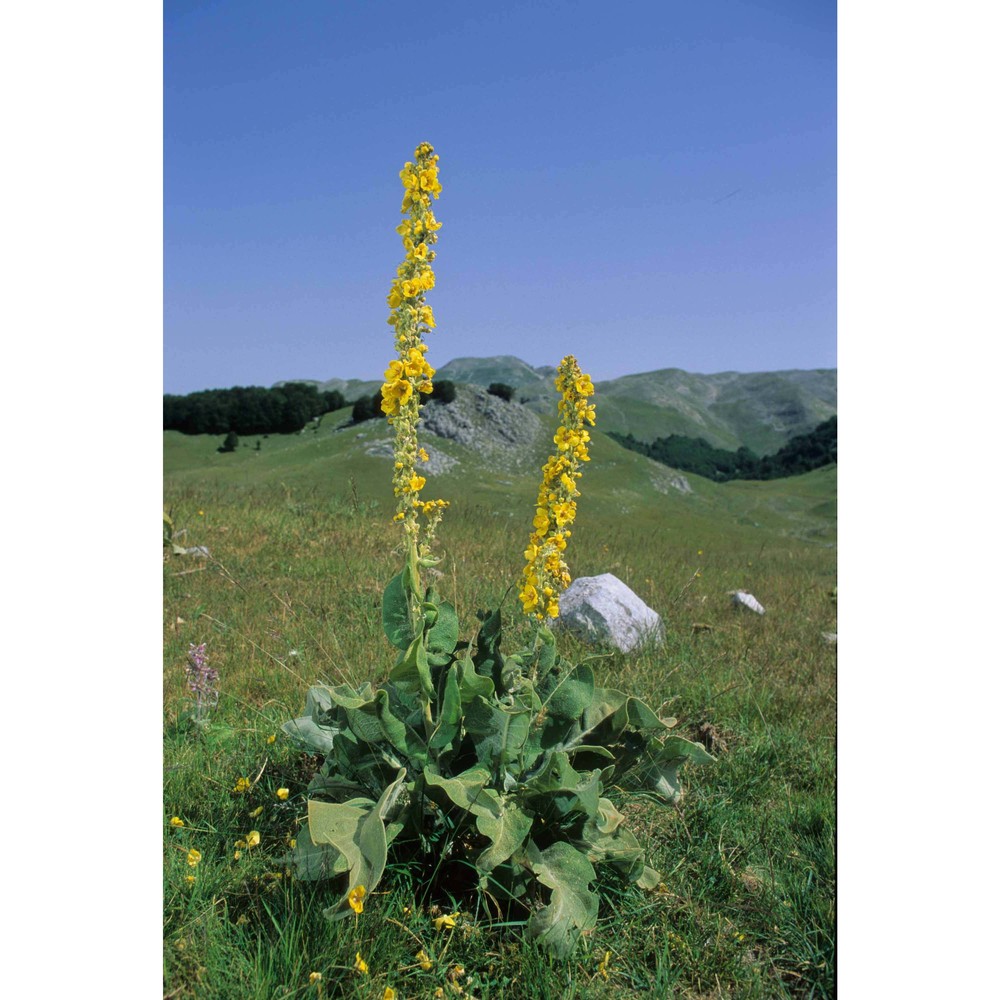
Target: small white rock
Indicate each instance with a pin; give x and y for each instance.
(741, 599)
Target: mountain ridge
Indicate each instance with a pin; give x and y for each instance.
(729, 409)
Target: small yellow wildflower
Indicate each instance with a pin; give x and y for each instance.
(272, 737)
(292, 842)
(390, 994)
(602, 966)
(253, 838)
(282, 793)
(447, 921)
(356, 898)
(417, 483)
(240, 843)
(360, 964)
(254, 813)
(189, 878)
(201, 513)
(193, 857)
(315, 977)
(237, 855)
(242, 785)
(424, 959)
(176, 821)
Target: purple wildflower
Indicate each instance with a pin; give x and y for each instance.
(201, 678)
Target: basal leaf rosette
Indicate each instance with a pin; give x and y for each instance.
(546, 574)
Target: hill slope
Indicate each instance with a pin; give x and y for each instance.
(760, 410)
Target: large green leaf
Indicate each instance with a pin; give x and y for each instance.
(357, 832)
(471, 684)
(442, 636)
(659, 776)
(308, 735)
(567, 693)
(450, 714)
(404, 736)
(572, 907)
(467, 790)
(498, 733)
(638, 715)
(487, 657)
(412, 666)
(396, 613)
(507, 832)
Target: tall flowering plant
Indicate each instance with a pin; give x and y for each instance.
(491, 772)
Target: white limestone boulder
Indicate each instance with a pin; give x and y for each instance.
(603, 611)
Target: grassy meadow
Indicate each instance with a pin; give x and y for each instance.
(301, 548)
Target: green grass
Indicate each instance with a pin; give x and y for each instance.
(301, 549)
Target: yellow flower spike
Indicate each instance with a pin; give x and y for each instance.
(360, 965)
(253, 838)
(194, 857)
(555, 507)
(356, 898)
(282, 794)
(176, 821)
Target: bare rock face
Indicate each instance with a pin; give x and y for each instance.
(500, 430)
(605, 612)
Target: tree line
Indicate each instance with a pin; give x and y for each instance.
(249, 409)
(800, 454)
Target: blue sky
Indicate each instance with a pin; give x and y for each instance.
(646, 185)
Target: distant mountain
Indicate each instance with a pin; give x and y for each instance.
(760, 410)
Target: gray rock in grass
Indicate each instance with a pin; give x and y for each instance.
(605, 612)
(741, 599)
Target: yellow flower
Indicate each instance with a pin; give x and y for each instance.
(602, 966)
(417, 483)
(424, 959)
(282, 794)
(556, 507)
(390, 994)
(193, 857)
(356, 898)
(242, 785)
(253, 838)
(292, 841)
(315, 977)
(189, 878)
(201, 513)
(360, 964)
(237, 855)
(254, 813)
(447, 921)
(272, 737)
(176, 821)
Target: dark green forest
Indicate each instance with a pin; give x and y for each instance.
(249, 409)
(802, 453)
